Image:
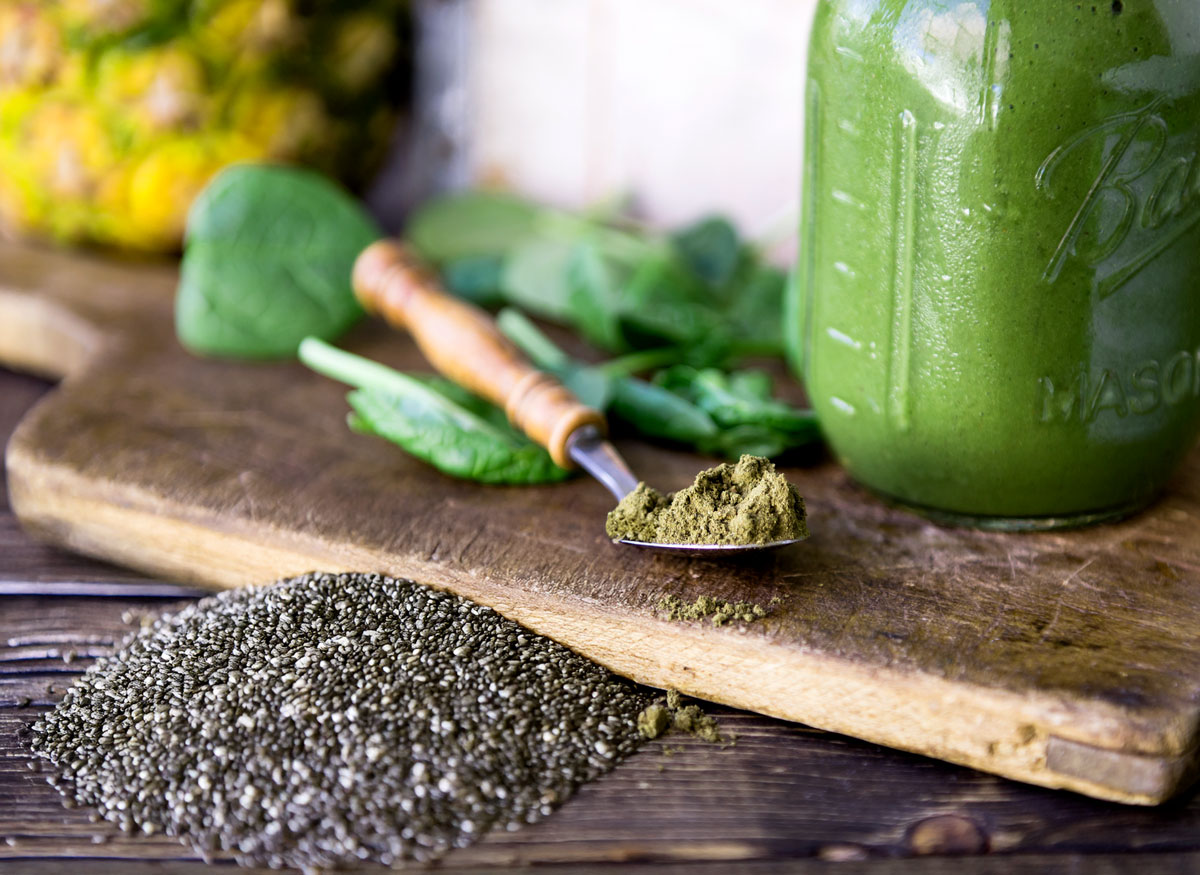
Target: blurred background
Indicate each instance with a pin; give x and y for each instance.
(114, 113)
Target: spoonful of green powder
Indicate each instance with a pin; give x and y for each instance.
(747, 504)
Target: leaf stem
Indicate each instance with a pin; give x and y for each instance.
(641, 361)
(518, 328)
(362, 373)
(352, 369)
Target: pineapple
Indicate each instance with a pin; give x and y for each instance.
(115, 113)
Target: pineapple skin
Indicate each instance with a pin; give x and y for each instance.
(115, 113)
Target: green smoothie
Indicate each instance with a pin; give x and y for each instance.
(997, 307)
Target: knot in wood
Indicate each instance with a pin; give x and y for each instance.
(842, 853)
(947, 834)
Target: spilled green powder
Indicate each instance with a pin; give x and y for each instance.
(708, 608)
(744, 503)
(693, 721)
(654, 721)
(672, 714)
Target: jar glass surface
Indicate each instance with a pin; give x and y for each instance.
(996, 310)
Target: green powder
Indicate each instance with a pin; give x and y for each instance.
(744, 503)
(654, 721)
(706, 607)
(672, 714)
(693, 721)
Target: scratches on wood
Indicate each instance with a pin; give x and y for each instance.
(948, 642)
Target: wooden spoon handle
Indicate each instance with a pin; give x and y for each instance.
(462, 342)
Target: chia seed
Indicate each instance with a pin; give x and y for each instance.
(328, 720)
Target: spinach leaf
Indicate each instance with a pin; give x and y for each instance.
(711, 248)
(750, 420)
(737, 399)
(693, 302)
(475, 278)
(666, 303)
(750, 383)
(591, 385)
(267, 262)
(754, 311)
(725, 414)
(419, 425)
(660, 413)
(620, 285)
(471, 223)
(434, 420)
(530, 339)
(535, 278)
(595, 297)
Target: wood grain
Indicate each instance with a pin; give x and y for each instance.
(1065, 659)
(24, 560)
(783, 799)
(1049, 864)
(781, 792)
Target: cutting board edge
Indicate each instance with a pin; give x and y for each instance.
(44, 337)
(989, 729)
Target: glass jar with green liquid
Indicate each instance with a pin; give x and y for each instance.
(996, 310)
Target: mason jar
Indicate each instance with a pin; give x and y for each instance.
(996, 310)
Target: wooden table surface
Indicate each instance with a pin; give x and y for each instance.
(784, 798)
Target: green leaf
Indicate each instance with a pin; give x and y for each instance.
(363, 373)
(652, 410)
(267, 262)
(755, 309)
(750, 383)
(434, 420)
(518, 328)
(475, 278)
(660, 413)
(737, 399)
(748, 440)
(595, 297)
(711, 248)
(489, 413)
(664, 302)
(424, 430)
(472, 223)
(535, 278)
(590, 385)
(750, 421)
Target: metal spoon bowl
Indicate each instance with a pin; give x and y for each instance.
(710, 551)
(588, 448)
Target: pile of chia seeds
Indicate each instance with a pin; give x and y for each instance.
(331, 719)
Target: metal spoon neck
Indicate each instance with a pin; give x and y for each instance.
(593, 453)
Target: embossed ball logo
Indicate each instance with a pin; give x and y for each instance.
(1145, 197)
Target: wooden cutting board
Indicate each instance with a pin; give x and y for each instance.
(1069, 660)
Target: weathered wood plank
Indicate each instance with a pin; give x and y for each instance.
(977, 648)
(1131, 864)
(782, 800)
(23, 558)
(781, 792)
